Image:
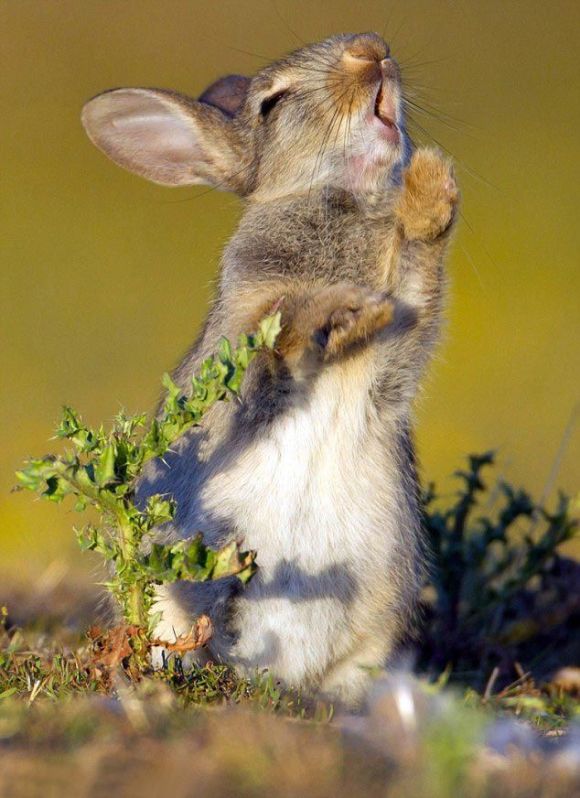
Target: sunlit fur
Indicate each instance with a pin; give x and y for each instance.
(344, 230)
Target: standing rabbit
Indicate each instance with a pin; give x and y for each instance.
(344, 230)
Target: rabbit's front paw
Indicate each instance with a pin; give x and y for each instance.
(328, 322)
(429, 197)
(347, 315)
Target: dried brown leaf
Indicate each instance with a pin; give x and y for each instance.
(199, 636)
(112, 646)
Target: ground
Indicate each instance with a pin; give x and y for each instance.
(67, 718)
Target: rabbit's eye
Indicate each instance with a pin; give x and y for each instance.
(270, 102)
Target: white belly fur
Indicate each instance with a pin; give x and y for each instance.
(313, 498)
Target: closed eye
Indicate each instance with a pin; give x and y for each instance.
(270, 102)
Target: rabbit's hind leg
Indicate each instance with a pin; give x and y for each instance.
(348, 682)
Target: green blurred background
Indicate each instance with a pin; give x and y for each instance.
(105, 278)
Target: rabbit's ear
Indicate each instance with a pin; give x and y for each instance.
(165, 137)
(228, 94)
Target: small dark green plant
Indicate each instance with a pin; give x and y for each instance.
(102, 469)
(498, 577)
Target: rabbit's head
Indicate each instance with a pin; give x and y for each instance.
(329, 114)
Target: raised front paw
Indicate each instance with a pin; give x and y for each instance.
(331, 321)
(429, 197)
(347, 316)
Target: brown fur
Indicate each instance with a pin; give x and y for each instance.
(344, 231)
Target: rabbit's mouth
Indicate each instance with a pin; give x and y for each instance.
(385, 113)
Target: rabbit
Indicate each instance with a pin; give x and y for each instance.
(344, 230)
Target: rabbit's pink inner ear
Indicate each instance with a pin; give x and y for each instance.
(228, 94)
(149, 132)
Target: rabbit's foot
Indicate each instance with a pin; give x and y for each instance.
(333, 320)
(429, 196)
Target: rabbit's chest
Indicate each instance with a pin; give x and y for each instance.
(310, 490)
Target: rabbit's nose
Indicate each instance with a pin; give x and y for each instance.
(366, 47)
(389, 68)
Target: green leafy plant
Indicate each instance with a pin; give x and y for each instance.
(499, 580)
(502, 602)
(102, 468)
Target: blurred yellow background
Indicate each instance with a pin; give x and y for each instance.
(105, 278)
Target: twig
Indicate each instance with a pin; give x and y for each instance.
(517, 682)
(491, 683)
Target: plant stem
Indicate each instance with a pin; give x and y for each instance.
(134, 599)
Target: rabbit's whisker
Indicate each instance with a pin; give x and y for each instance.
(322, 151)
(434, 112)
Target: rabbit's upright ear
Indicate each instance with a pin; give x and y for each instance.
(228, 94)
(166, 137)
